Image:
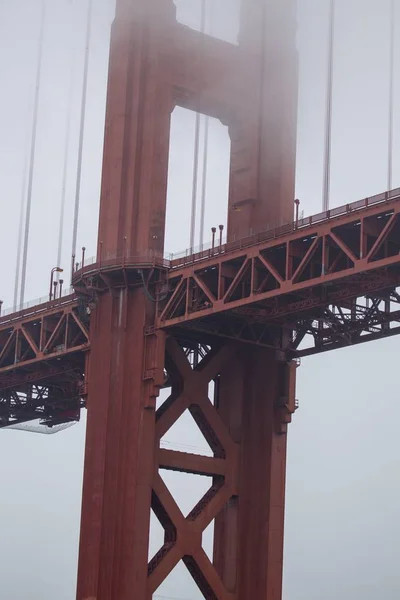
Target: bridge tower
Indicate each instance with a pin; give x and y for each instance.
(155, 64)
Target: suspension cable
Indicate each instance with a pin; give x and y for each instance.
(204, 175)
(195, 177)
(392, 15)
(328, 117)
(65, 168)
(82, 127)
(196, 146)
(205, 156)
(21, 224)
(32, 152)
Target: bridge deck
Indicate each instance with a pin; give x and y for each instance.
(328, 281)
(42, 361)
(288, 262)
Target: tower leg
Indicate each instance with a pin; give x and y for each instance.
(125, 372)
(254, 403)
(246, 429)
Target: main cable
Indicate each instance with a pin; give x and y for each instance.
(32, 152)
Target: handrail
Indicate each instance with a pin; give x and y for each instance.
(194, 255)
(185, 259)
(205, 251)
(39, 305)
(144, 260)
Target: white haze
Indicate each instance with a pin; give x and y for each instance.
(343, 491)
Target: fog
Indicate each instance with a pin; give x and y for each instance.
(343, 489)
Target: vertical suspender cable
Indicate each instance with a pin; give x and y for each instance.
(20, 227)
(65, 171)
(32, 153)
(204, 184)
(82, 128)
(391, 95)
(205, 160)
(328, 117)
(195, 176)
(196, 148)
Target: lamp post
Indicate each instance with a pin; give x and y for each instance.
(54, 270)
(297, 203)
(213, 231)
(221, 230)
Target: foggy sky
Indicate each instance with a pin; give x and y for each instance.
(343, 490)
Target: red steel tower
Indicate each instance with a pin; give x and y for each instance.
(156, 64)
(217, 332)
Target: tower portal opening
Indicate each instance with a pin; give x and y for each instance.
(220, 18)
(198, 181)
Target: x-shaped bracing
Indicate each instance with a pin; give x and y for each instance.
(183, 536)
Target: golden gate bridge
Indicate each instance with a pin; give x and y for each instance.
(272, 285)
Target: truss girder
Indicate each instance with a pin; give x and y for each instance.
(51, 402)
(362, 319)
(43, 333)
(289, 274)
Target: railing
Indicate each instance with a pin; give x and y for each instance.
(35, 306)
(192, 255)
(189, 256)
(146, 259)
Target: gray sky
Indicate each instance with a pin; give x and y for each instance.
(343, 491)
